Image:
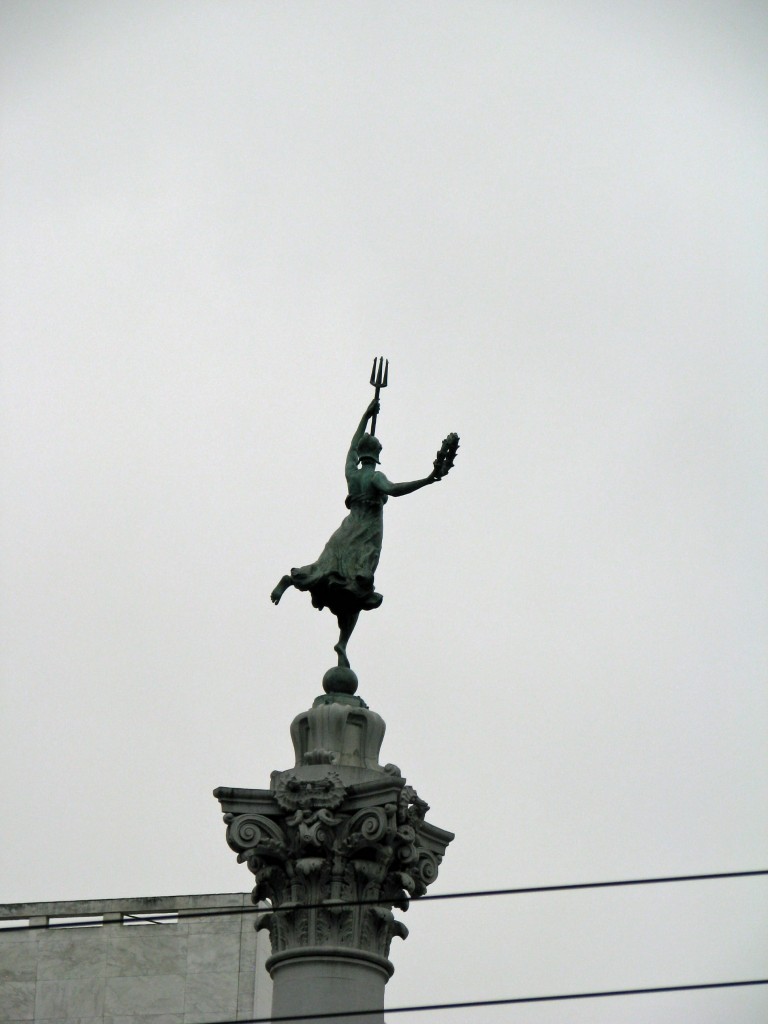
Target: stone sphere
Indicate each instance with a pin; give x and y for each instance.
(339, 680)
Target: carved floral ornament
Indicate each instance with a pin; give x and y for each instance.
(292, 793)
(314, 849)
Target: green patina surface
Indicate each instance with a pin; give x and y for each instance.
(342, 578)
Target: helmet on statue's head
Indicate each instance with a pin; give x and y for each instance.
(369, 447)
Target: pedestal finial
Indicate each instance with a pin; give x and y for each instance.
(340, 680)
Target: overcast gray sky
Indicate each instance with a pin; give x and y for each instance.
(551, 217)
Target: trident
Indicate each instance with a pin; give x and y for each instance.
(379, 381)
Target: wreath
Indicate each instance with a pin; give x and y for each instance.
(445, 457)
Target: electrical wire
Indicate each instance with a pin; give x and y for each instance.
(464, 1005)
(230, 911)
(498, 1002)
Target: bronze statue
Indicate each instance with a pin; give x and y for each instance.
(342, 577)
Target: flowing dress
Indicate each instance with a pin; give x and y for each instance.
(342, 577)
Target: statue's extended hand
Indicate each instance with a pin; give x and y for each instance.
(373, 408)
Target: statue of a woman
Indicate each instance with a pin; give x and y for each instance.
(342, 577)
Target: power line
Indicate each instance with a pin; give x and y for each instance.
(583, 885)
(499, 1002)
(474, 894)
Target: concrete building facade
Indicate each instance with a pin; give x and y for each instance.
(159, 960)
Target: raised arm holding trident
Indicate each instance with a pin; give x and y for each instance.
(342, 577)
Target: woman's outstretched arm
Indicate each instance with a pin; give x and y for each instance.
(397, 490)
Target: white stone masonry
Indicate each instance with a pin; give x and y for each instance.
(187, 970)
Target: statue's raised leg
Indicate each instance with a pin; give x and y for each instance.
(280, 589)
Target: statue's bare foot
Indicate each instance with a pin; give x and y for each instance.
(280, 589)
(341, 650)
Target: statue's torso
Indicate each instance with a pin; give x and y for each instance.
(362, 491)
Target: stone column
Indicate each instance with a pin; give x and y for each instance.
(335, 843)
